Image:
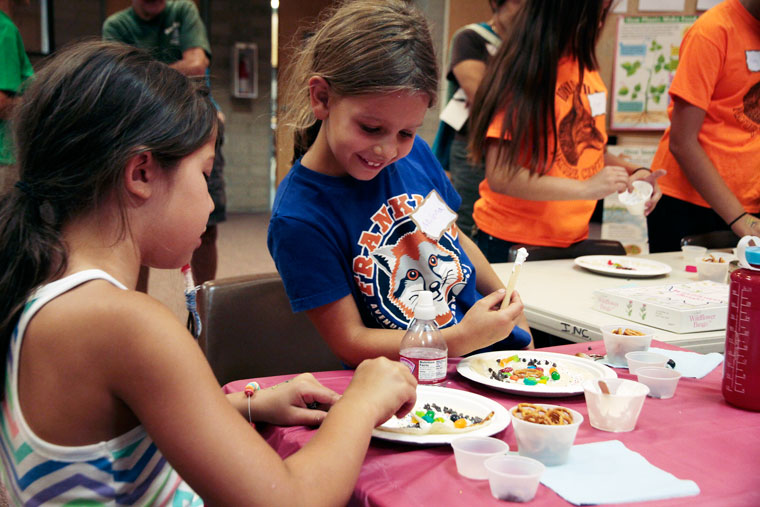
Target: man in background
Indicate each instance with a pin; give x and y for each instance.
(15, 68)
(173, 32)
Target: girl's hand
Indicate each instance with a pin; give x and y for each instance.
(286, 404)
(486, 322)
(610, 179)
(383, 387)
(748, 225)
(650, 177)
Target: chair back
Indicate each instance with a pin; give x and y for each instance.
(586, 247)
(711, 240)
(249, 330)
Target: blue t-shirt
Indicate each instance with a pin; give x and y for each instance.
(333, 236)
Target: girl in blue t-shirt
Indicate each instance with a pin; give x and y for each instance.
(106, 397)
(347, 232)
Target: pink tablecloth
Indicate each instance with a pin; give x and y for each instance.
(696, 435)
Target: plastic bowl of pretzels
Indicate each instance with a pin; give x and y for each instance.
(619, 339)
(545, 432)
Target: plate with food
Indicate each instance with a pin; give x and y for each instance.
(441, 415)
(532, 372)
(623, 265)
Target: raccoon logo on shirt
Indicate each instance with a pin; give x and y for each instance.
(398, 261)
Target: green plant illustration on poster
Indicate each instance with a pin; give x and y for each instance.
(645, 63)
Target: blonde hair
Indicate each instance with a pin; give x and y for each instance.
(360, 47)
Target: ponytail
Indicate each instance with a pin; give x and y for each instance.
(31, 252)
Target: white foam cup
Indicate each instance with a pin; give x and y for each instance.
(471, 452)
(514, 478)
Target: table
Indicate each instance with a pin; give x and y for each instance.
(557, 296)
(695, 435)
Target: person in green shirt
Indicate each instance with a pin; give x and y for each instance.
(15, 68)
(173, 32)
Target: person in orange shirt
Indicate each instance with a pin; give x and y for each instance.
(712, 148)
(539, 123)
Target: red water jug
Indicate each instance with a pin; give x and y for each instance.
(741, 382)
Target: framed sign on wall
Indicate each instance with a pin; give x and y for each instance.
(646, 58)
(245, 70)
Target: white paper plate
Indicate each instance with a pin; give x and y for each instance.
(461, 401)
(575, 369)
(639, 268)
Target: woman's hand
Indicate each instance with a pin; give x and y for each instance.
(748, 225)
(287, 404)
(383, 387)
(610, 179)
(650, 177)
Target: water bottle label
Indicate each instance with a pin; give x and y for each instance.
(427, 371)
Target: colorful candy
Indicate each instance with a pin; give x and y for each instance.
(251, 388)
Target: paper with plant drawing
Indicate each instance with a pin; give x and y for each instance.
(646, 58)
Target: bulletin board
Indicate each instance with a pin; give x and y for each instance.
(645, 61)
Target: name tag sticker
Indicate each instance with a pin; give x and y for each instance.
(433, 216)
(753, 60)
(598, 103)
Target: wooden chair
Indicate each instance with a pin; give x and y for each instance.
(586, 247)
(712, 240)
(249, 330)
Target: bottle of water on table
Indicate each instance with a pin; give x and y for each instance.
(423, 349)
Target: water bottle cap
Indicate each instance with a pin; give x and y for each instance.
(425, 307)
(752, 254)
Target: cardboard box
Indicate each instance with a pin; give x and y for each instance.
(679, 308)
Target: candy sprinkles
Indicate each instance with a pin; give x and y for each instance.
(525, 371)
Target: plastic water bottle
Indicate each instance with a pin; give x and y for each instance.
(742, 359)
(423, 349)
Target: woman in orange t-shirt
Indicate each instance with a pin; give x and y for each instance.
(539, 123)
(712, 148)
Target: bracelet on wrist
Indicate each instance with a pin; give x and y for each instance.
(732, 222)
(641, 169)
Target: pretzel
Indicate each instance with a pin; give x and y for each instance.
(541, 415)
(712, 258)
(627, 332)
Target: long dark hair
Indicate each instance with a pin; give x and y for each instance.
(522, 77)
(92, 107)
(372, 46)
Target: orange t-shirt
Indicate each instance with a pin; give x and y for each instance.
(582, 137)
(719, 72)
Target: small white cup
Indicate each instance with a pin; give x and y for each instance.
(715, 271)
(471, 452)
(642, 359)
(617, 411)
(618, 345)
(662, 382)
(692, 252)
(514, 478)
(636, 200)
(549, 444)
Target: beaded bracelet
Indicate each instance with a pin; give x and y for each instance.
(250, 391)
(640, 169)
(732, 222)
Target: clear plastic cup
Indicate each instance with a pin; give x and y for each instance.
(471, 452)
(662, 381)
(514, 478)
(617, 411)
(639, 359)
(636, 200)
(709, 269)
(692, 252)
(549, 444)
(618, 345)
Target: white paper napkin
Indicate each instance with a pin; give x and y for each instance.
(692, 364)
(609, 472)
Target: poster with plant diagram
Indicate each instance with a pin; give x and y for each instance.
(646, 59)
